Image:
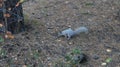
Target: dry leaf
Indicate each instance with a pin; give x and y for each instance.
(24, 66)
(0, 5)
(9, 35)
(104, 64)
(21, 1)
(6, 36)
(17, 4)
(9, 9)
(1, 25)
(7, 15)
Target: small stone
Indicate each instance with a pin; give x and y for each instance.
(103, 16)
(31, 54)
(108, 50)
(42, 42)
(48, 58)
(24, 66)
(6, 36)
(70, 43)
(89, 19)
(104, 64)
(15, 58)
(59, 40)
(66, 2)
(50, 64)
(69, 26)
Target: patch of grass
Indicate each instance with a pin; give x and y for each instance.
(89, 4)
(60, 63)
(76, 51)
(3, 52)
(1, 39)
(108, 60)
(70, 57)
(36, 55)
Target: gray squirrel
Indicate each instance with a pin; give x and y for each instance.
(68, 33)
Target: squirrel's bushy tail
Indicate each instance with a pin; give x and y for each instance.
(81, 30)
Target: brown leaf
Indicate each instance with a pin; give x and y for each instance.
(24, 66)
(9, 35)
(1, 25)
(0, 5)
(7, 15)
(17, 4)
(9, 8)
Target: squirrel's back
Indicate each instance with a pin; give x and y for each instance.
(81, 30)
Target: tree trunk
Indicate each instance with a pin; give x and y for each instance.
(12, 12)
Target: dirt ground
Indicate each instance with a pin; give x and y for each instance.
(39, 47)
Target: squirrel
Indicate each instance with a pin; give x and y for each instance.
(68, 33)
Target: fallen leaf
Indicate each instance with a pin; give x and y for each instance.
(0, 5)
(17, 4)
(9, 8)
(7, 15)
(108, 50)
(1, 25)
(9, 35)
(104, 64)
(24, 66)
(21, 1)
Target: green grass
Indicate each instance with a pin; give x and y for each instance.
(69, 61)
(89, 4)
(1, 39)
(3, 52)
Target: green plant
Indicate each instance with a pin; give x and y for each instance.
(3, 52)
(71, 58)
(89, 4)
(36, 54)
(76, 51)
(1, 39)
(60, 63)
(108, 60)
